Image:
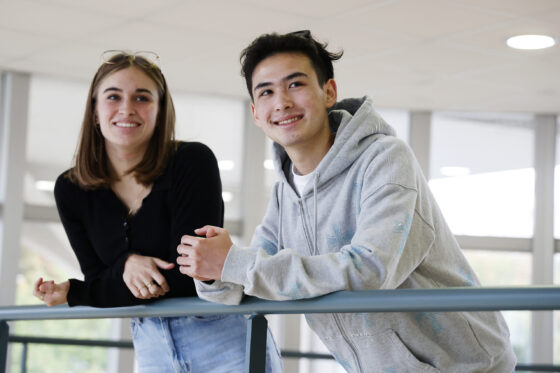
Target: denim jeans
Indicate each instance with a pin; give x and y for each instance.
(196, 344)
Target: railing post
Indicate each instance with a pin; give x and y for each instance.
(24, 358)
(255, 358)
(4, 332)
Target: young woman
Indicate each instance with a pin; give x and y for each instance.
(131, 195)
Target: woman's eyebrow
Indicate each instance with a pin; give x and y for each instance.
(139, 90)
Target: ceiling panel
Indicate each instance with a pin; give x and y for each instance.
(226, 19)
(390, 45)
(14, 44)
(124, 8)
(311, 9)
(426, 19)
(51, 19)
(510, 7)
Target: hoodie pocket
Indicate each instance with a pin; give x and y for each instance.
(402, 357)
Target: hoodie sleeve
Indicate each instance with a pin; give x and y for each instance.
(390, 241)
(265, 239)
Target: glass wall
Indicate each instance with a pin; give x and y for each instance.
(557, 183)
(557, 237)
(482, 173)
(483, 180)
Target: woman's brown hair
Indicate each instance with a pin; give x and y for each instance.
(92, 168)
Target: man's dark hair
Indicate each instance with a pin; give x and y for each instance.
(302, 42)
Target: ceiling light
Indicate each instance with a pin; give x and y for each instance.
(45, 185)
(226, 165)
(530, 42)
(227, 196)
(454, 171)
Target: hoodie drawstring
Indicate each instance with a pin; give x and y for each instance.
(280, 198)
(315, 248)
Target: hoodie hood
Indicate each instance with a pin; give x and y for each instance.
(356, 125)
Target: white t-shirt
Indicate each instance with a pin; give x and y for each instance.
(299, 181)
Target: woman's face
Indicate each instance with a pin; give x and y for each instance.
(127, 106)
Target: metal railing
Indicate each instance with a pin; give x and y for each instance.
(402, 300)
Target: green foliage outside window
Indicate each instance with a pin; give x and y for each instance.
(50, 358)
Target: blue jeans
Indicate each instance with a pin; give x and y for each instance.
(196, 344)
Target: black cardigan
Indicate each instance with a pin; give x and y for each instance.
(187, 196)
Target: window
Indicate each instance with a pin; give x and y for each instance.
(557, 183)
(482, 173)
(218, 123)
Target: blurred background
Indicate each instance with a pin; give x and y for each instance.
(481, 116)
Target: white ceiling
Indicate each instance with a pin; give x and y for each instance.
(411, 54)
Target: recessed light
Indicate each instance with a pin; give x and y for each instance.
(226, 165)
(531, 42)
(227, 196)
(45, 185)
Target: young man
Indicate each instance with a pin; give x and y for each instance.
(352, 211)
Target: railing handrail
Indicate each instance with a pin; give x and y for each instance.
(400, 300)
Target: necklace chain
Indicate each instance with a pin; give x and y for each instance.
(135, 206)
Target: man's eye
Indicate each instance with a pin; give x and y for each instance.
(295, 84)
(266, 92)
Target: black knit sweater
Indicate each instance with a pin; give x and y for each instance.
(187, 196)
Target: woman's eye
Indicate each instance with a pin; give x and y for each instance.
(113, 97)
(142, 98)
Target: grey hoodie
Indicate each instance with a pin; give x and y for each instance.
(368, 221)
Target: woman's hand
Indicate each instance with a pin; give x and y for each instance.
(50, 292)
(143, 278)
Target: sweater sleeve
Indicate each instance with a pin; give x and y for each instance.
(196, 200)
(103, 285)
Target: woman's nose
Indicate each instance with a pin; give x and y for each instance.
(127, 107)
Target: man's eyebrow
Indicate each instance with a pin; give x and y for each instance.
(297, 74)
(289, 77)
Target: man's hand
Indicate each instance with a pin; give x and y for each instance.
(203, 258)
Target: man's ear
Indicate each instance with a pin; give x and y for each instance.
(254, 114)
(329, 88)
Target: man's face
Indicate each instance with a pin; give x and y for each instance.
(289, 103)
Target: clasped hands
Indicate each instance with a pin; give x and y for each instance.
(203, 258)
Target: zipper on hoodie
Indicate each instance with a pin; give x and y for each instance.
(347, 340)
(335, 316)
(305, 229)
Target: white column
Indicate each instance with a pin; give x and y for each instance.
(420, 131)
(120, 360)
(253, 195)
(543, 239)
(14, 104)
